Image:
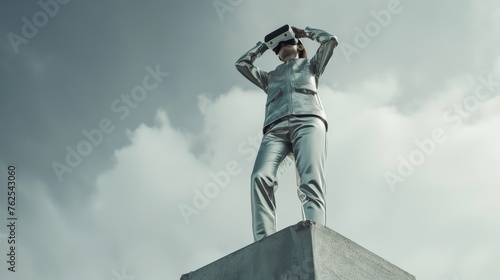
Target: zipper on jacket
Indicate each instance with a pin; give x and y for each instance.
(290, 89)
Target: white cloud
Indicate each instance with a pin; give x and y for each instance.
(140, 196)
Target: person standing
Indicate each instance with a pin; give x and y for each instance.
(295, 124)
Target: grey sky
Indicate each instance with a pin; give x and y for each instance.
(118, 207)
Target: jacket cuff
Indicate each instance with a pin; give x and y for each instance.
(318, 35)
(261, 47)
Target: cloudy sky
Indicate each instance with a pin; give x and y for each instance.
(133, 136)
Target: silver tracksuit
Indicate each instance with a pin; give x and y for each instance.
(295, 127)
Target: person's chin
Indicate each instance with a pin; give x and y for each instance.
(287, 58)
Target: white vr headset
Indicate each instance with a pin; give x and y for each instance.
(282, 34)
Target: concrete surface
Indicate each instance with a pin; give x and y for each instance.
(303, 251)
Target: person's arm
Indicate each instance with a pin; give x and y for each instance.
(327, 43)
(251, 72)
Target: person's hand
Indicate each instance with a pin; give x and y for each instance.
(299, 33)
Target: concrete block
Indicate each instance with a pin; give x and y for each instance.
(302, 251)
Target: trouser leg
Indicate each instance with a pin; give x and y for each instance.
(308, 137)
(273, 150)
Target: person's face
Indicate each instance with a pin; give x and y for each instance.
(288, 52)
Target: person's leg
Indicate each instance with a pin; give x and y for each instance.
(308, 136)
(273, 149)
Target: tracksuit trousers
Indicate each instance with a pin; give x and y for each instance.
(305, 138)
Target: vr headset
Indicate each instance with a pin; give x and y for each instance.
(281, 36)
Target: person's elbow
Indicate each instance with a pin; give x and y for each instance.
(333, 41)
(334, 38)
(240, 66)
(330, 44)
